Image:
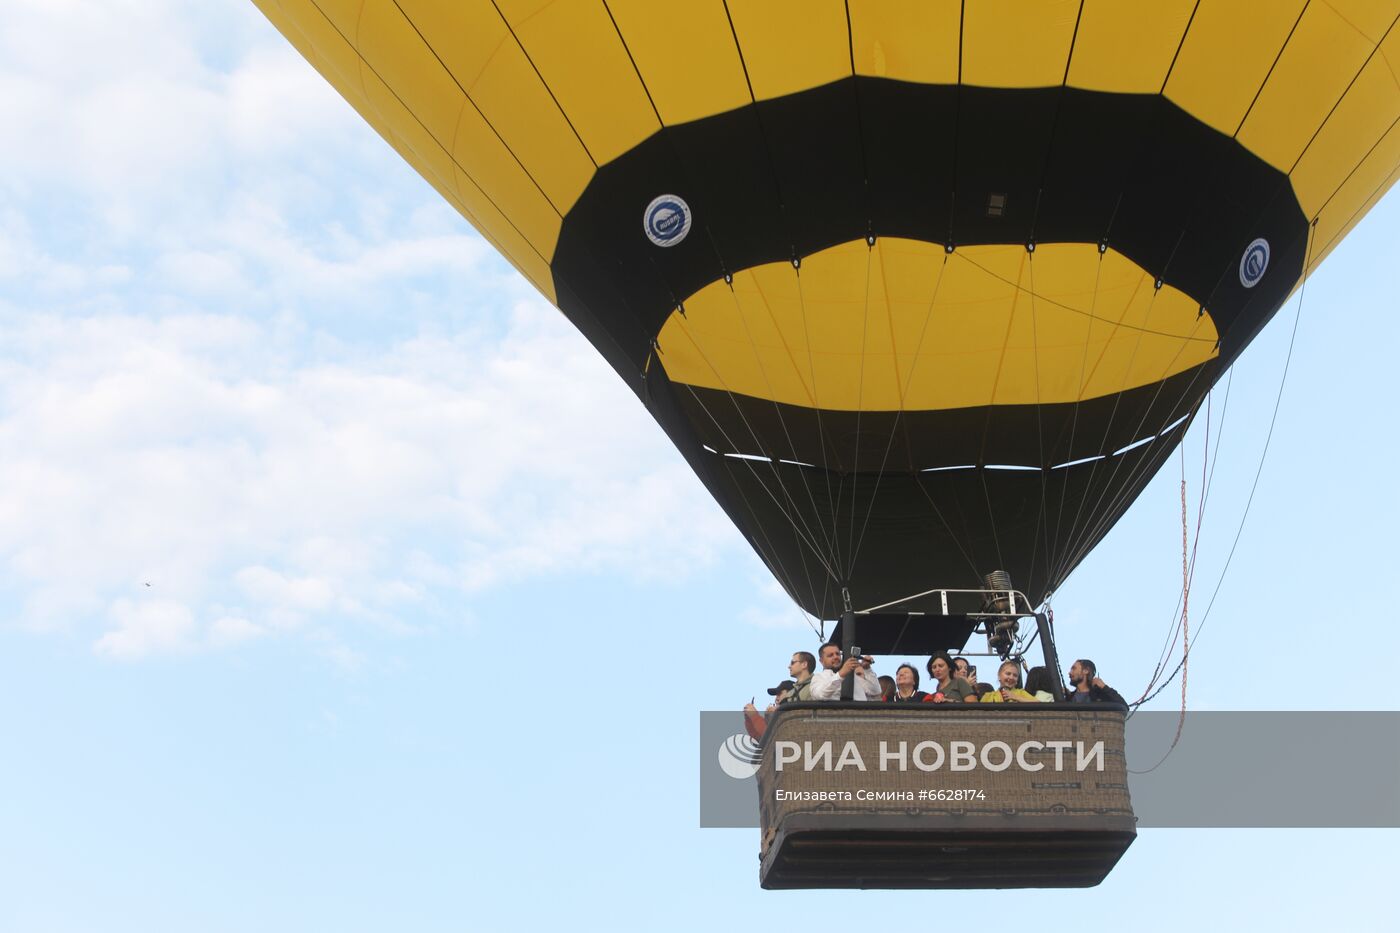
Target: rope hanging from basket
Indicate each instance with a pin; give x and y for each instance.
(1185, 601)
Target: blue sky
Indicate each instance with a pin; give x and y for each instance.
(433, 605)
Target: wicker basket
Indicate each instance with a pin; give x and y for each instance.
(993, 828)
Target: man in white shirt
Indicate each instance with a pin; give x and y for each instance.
(826, 683)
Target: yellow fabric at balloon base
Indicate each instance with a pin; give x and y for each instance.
(904, 326)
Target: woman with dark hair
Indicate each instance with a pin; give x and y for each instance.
(1009, 676)
(906, 685)
(950, 687)
(1039, 685)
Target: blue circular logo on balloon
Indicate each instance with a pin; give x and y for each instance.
(1253, 263)
(667, 220)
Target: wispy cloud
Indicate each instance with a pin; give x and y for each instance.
(774, 608)
(257, 382)
(172, 452)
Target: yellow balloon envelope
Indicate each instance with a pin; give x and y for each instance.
(920, 289)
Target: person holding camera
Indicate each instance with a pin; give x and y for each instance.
(798, 689)
(756, 723)
(948, 687)
(826, 683)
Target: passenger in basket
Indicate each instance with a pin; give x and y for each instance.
(949, 687)
(886, 687)
(1009, 675)
(906, 685)
(756, 723)
(968, 672)
(1089, 687)
(800, 669)
(826, 684)
(1039, 685)
(780, 694)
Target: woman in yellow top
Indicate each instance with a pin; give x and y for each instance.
(1009, 674)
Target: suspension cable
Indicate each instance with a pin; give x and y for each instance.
(1254, 487)
(831, 554)
(1189, 567)
(1185, 627)
(908, 383)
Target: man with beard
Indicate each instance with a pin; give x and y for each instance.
(1088, 687)
(826, 685)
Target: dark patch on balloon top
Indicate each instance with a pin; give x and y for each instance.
(785, 178)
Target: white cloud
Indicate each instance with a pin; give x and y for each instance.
(171, 452)
(249, 359)
(227, 631)
(774, 608)
(127, 100)
(145, 627)
(268, 587)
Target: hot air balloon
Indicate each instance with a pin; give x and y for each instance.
(921, 289)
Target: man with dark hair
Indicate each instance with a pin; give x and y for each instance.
(826, 683)
(1088, 687)
(800, 669)
(799, 688)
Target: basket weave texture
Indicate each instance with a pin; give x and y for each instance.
(1021, 798)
